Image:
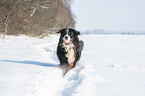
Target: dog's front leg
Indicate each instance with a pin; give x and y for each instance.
(71, 65)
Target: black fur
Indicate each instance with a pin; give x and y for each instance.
(78, 46)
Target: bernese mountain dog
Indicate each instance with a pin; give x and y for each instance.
(69, 48)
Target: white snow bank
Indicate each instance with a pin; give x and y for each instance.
(110, 66)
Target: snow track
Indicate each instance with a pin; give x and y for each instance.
(111, 65)
(52, 78)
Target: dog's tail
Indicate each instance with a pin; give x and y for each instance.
(81, 45)
(80, 48)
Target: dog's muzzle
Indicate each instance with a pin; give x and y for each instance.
(66, 39)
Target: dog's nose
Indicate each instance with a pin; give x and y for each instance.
(66, 37)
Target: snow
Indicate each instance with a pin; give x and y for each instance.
(111, 65)
(34, 10)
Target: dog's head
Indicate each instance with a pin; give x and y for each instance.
(68, 35)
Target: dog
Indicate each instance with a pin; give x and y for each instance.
(69, 47)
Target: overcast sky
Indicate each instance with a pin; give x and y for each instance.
(112, 15)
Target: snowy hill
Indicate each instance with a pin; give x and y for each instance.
(111, 65)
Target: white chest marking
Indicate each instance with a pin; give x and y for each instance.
(70, 53)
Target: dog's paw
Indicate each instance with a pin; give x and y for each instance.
(71, 65)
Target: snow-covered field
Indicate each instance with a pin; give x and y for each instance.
(111, 65)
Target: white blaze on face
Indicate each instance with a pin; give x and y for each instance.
(66, 37)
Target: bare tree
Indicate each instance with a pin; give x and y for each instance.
(34, 17)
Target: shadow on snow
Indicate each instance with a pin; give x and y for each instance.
(33, 63)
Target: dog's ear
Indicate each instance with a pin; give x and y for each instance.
(75, 31)
(60, 31)
(78, 33)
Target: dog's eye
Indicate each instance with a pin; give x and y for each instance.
(71, 33)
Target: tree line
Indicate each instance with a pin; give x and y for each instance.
(34, 17)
